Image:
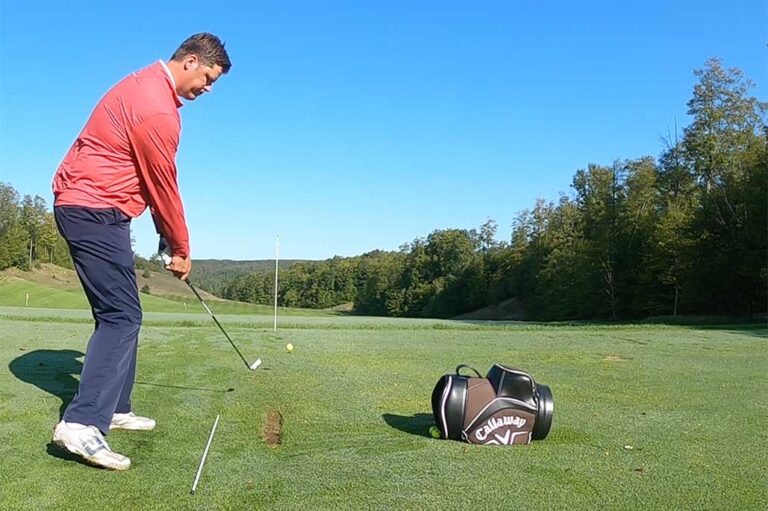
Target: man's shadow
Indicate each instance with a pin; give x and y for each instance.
(50, 370)
(417, 424)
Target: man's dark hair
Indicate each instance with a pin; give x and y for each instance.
(208, 48)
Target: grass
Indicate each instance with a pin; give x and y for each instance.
(23, 293)
(646, 416)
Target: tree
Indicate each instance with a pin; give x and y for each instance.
(33, 213)
(638, 218)
(530, 246)
(726, 123)
(565, 278)
(487, 235)
(12, 240)
(599, 196)
(48, 240)
(378, 272)
(666, 265)
(724, 147)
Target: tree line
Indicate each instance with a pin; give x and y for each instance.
(214, 274)
(28, 233)
(684, 233)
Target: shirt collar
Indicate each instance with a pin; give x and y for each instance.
(173, 81)
(165, 66)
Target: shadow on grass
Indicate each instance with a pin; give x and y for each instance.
(731, 324)
(50, 370)
(63, 454)
(417, 424)
(181, 387)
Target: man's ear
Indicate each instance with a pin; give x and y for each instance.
(191, 62)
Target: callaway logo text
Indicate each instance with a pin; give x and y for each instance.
(497, 422)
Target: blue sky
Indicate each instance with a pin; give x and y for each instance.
(349, 126)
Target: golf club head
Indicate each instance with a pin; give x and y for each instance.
(255, 365)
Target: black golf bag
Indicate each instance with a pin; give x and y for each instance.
(504, 408)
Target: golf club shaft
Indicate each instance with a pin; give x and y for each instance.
(205, 455)
(210, 313)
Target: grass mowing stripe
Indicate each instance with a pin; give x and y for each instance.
(364, 323)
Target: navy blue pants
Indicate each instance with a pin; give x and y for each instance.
(100, 244)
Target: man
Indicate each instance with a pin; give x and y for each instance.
(122, 162)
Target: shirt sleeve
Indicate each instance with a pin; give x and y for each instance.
(155, 142)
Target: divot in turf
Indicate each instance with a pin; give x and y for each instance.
(273, 428)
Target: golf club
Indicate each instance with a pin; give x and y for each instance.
(167, 260)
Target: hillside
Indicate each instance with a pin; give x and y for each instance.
(161, 284)
(54, 287)
(213, 274)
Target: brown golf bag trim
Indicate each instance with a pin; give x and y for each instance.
(500, 404)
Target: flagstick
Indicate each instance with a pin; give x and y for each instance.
(277, 251)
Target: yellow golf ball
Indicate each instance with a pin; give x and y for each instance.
(434, 432)
(289, 347)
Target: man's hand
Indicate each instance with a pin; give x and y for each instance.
(180, 267)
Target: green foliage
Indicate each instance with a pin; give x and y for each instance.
(215, 275)
(147, 266)
(725, 151)
(28, 233)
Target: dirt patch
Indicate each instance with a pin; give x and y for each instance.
(343, 308)
(614, 358)
(273, 428)
(508, 310)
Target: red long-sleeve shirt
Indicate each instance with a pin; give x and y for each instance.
(125, 155)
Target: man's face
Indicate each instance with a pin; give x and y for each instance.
(197, 78)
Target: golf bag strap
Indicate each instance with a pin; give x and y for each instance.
(465, 366)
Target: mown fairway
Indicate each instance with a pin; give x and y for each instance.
(646, 417)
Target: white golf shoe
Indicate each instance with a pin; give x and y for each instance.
(132, 422)
(88, 443)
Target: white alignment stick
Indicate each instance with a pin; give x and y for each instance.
(205, 454)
